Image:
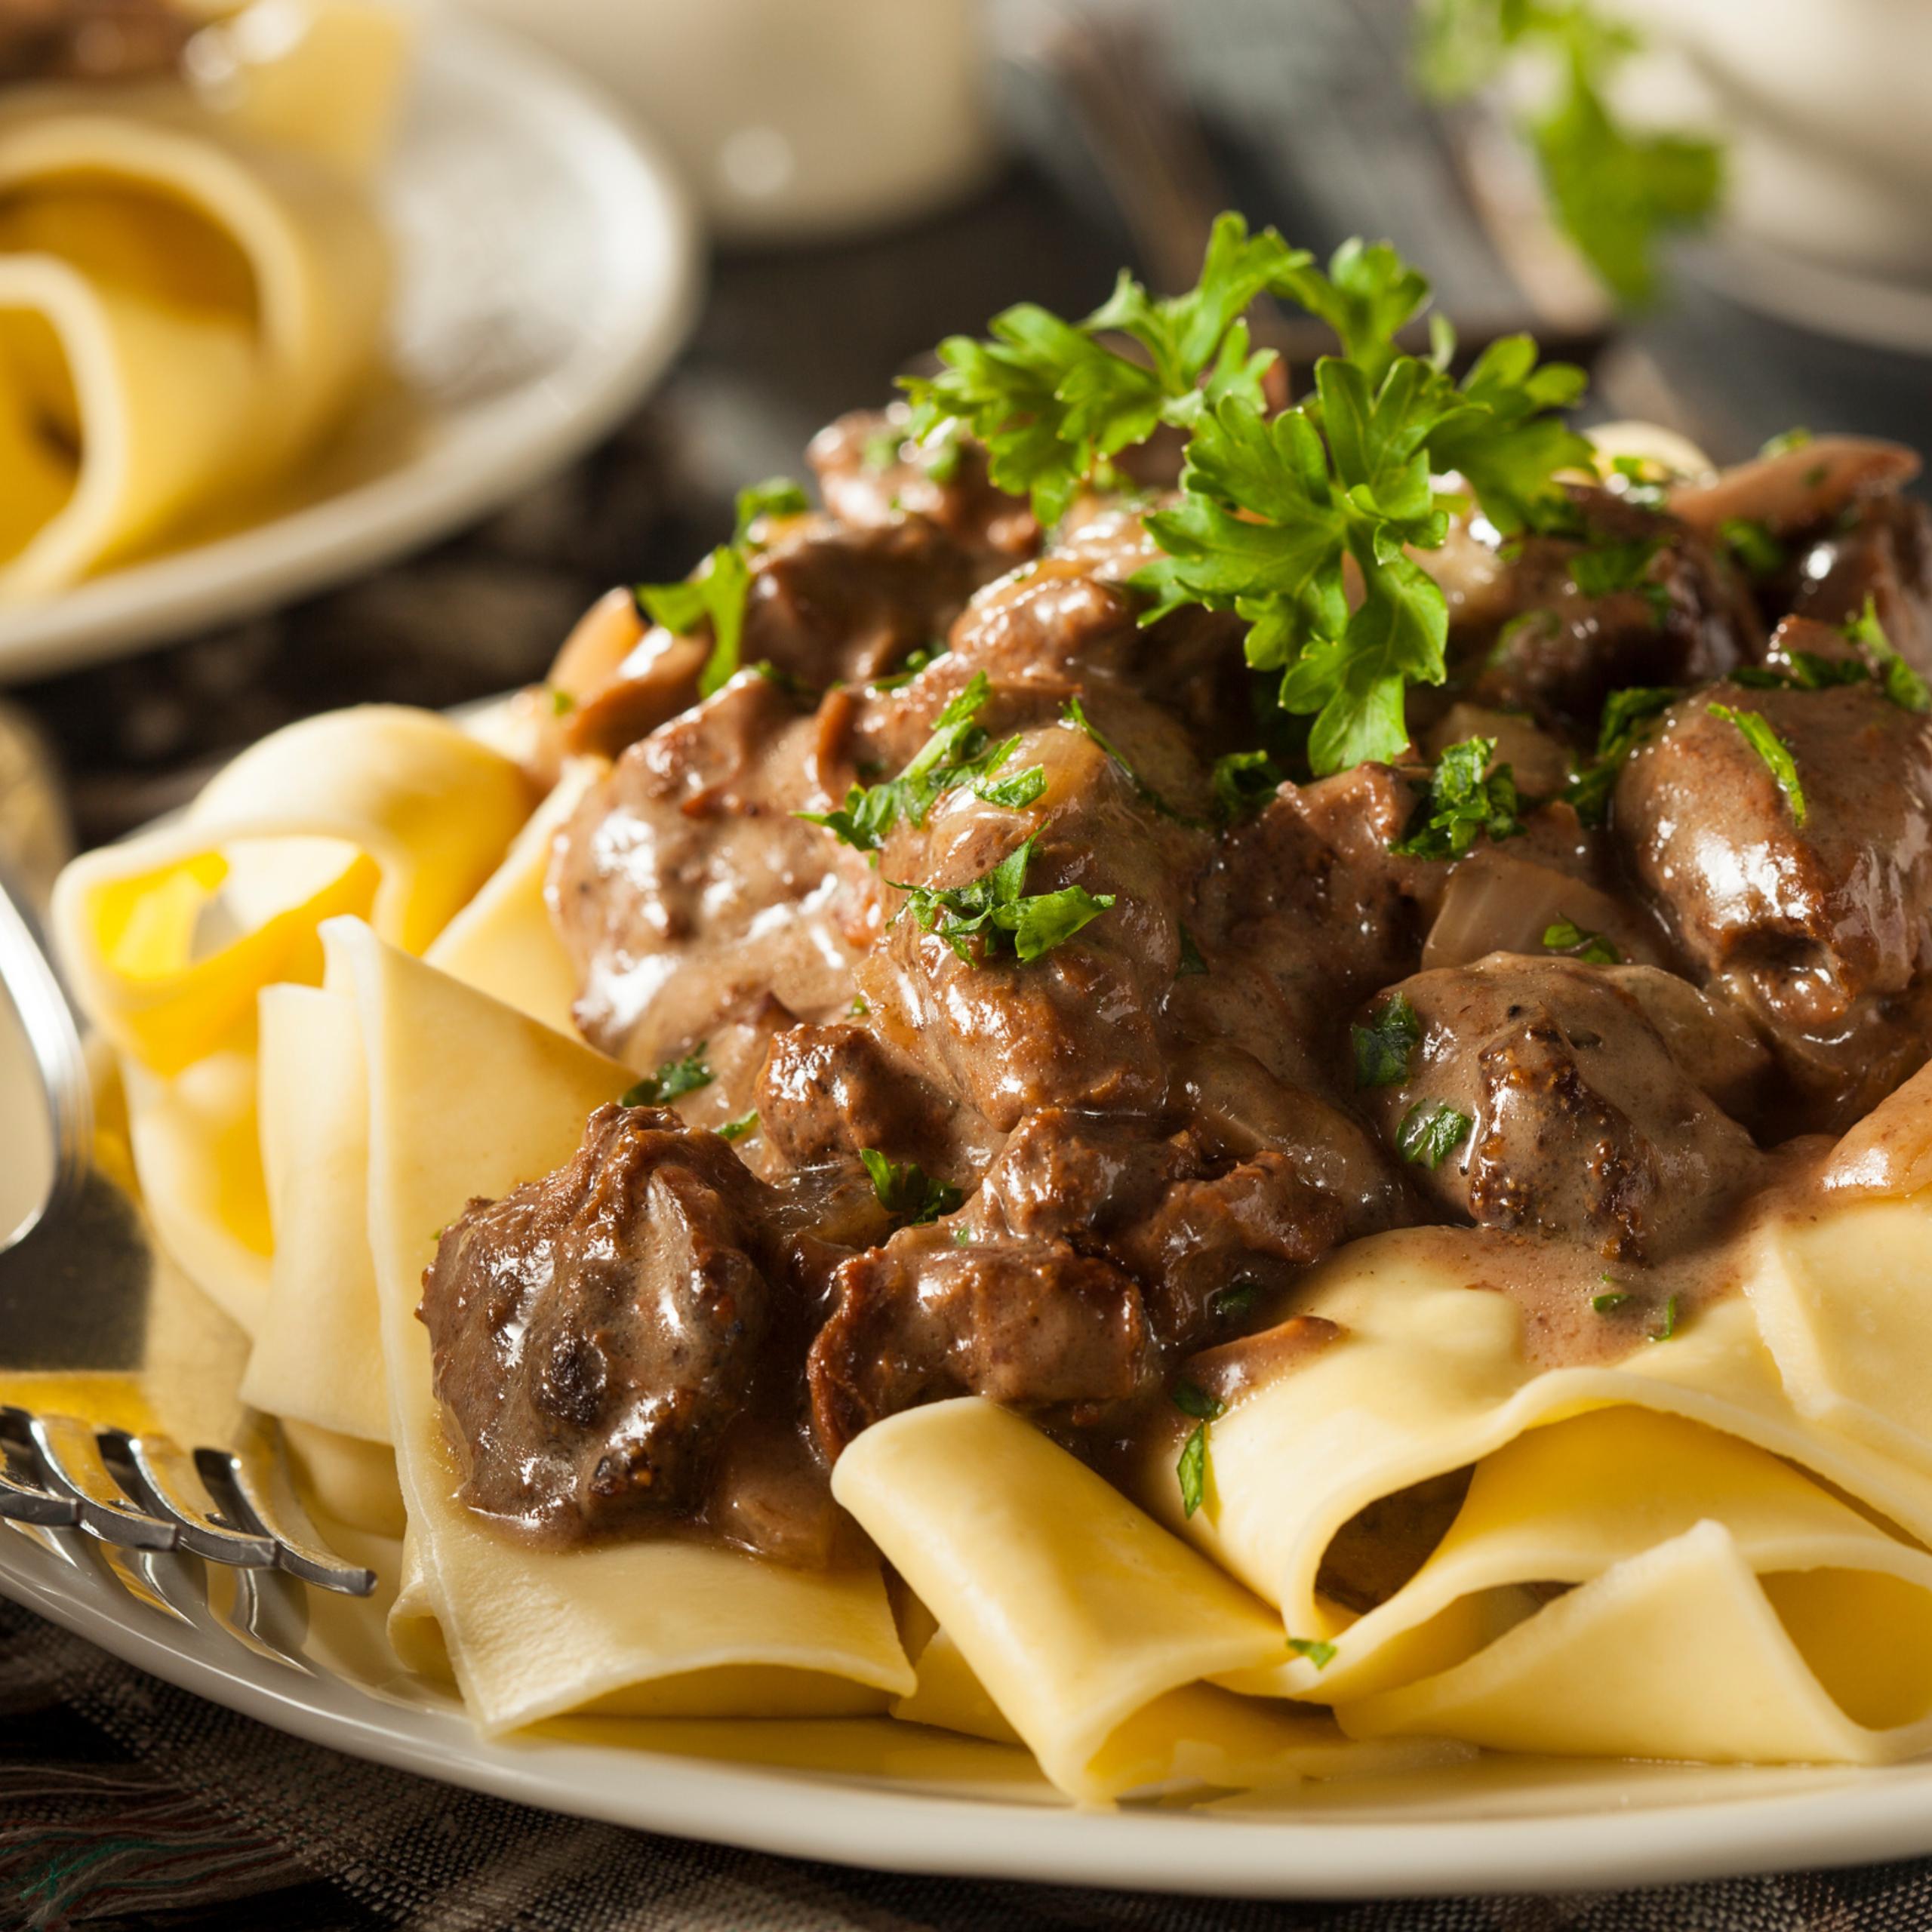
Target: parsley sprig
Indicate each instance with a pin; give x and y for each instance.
(959, 752)
(1385, 1049)
(1616, 191)
(1192, 1469)
(1274, 511)
(1052, 404)
(717, 590)
(998, 912)
(1629, 717)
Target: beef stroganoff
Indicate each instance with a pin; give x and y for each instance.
(1233, 1122)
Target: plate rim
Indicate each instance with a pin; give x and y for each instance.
(509, 442)
(1854, 1819)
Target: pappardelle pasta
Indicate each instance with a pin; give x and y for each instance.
(1231, 1128)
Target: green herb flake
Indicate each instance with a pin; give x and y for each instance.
(1236, 1299)
(1191, 965)
(561, 703)
(882, 447)
(674, 1078)
(1563, 934)
(1628, 717)
(1757, 551)
(1466, 799)
(997, 911)
(860, 1006)
(1385, 1049)
(1317, 1650)
(1192, 1469)
(1607, 569)
(957, 753)
(1243, 782)
(1608, 1304)
(776, 496)
(1074, 714)
(1759, 735)
(1672, 1319)
(736, 1129)
(1428, 1136)
(906, 1192)
(1793, 438)
(1899, 682)
(1024, 789)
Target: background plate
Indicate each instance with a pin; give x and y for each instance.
(548, 272)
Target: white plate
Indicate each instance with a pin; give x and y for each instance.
(1817, 295)
(913, 1801)
(548, 274)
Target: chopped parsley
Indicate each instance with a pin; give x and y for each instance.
(1900, 683)
(1794, 439)
(957, 753)
(1563, 934)
(997, 910)
(1386, 1048)
(1671, 1317)
(736, 1129)
(1317, 1650)
(1752, 543)
(860, 1006)
(717, 589)
(1465, 799)
(1193, 1400)
(1609, 1303)
(1628, 716)
(1428, 1136)
(1802, 671)
(906, 1192)
(1759, 735)
(1646, 481)
(673, 1079)
(561, 703)
(1243, 782)
(1075, 715)
(916, 661)
(1230, 1303)
(1191, 965)
(1605, 568)
(883, 446)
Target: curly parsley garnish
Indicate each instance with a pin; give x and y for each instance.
(957, 753)
(906, 1192)
(1386, 1048)
(997, 911)
(1466, 799)
(1052, 404)
(674, 1078)
(717, 589)
(1763, 739)
(1192, 1467)
(1428, 1136)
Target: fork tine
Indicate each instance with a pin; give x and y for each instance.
(20, 1504)
(154, 1471)
(243, 1502)
(70, 1458)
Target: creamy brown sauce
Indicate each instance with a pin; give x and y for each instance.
(1113, 1164)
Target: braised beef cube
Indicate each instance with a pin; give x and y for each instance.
(595, 1332)
(1541, 1097)
(1033, 1325)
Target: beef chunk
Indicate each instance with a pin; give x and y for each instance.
(1537, 634)
(1581, 1122)
(870, 475)
(1885, 558)
(594, 1333)
(828, 1091)
(1821, 930)
(1031, 1323)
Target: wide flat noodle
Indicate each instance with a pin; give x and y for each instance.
(1067, 1612)
(189, 308)
(1430, 1375)
(467, 1097)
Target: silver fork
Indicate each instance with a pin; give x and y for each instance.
(137, 1493)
